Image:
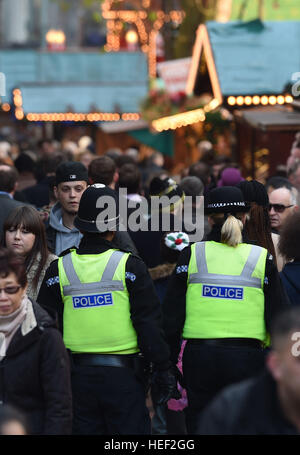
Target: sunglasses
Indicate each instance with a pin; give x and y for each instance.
(279, 207)
(10, 289)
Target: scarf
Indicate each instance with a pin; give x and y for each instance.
(9, 325)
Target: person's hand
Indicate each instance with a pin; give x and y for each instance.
(164, 386)
(179, 376)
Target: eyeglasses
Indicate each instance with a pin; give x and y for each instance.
(279, 207)
(10, 289)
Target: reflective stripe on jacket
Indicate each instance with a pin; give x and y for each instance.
(96, 303)
(225, 297)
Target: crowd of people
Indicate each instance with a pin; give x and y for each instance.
(112, 322)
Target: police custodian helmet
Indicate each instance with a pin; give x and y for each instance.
(98, 210)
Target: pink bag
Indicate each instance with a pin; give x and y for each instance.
(179, 405)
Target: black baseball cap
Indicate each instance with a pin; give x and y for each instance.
(71, 171)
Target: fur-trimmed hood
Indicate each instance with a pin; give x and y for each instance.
(161, 271)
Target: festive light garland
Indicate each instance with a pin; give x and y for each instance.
(148, 44)
(67, 116)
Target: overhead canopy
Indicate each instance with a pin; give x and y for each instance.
(82, 97)
(279, 119)
(163, 142)
(79, 82)
(255, 57)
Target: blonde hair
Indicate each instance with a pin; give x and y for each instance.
(231, 231)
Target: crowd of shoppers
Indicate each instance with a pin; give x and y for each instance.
(158, 316)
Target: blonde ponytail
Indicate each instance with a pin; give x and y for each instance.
(231, 232)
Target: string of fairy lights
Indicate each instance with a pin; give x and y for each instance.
(137, 18)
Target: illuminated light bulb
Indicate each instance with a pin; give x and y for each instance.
(231, 100)
(131, 37)
(256, 99)
(19, 114)
(18, 100)
(6, 107)
(289, 99)
(55, 39)
(248, 100)
(264, 100)
(240, 100)
(272, 100)
(280, 99)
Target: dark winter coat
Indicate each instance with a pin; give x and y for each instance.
(35, 375)
(250, 407)
(290, 277)
(161, 275)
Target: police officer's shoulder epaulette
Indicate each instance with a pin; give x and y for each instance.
(134, 255)
(67, 251)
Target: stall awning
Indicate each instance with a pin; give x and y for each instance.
(79, 82)
(82, 97)
(255, 57)
(270, 120)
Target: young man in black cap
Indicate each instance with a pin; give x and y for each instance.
(221, 299)
(70, 182)
(108, 312)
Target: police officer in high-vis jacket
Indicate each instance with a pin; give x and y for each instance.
(109, 315)
(221, 298)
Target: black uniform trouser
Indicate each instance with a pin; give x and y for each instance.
(108, 400)
(208, 369)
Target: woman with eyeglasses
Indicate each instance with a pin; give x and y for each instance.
(34, 364)
(221, 299)
(24, 233)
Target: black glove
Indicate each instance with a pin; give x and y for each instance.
(164, 386)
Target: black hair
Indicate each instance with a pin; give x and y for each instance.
(286, 321)
(278, 182)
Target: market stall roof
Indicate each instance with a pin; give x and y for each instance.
(270, 119)
(114, 97)
(82, 83)
(247, 58)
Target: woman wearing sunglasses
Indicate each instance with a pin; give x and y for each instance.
(24, 233)
(34, 367)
